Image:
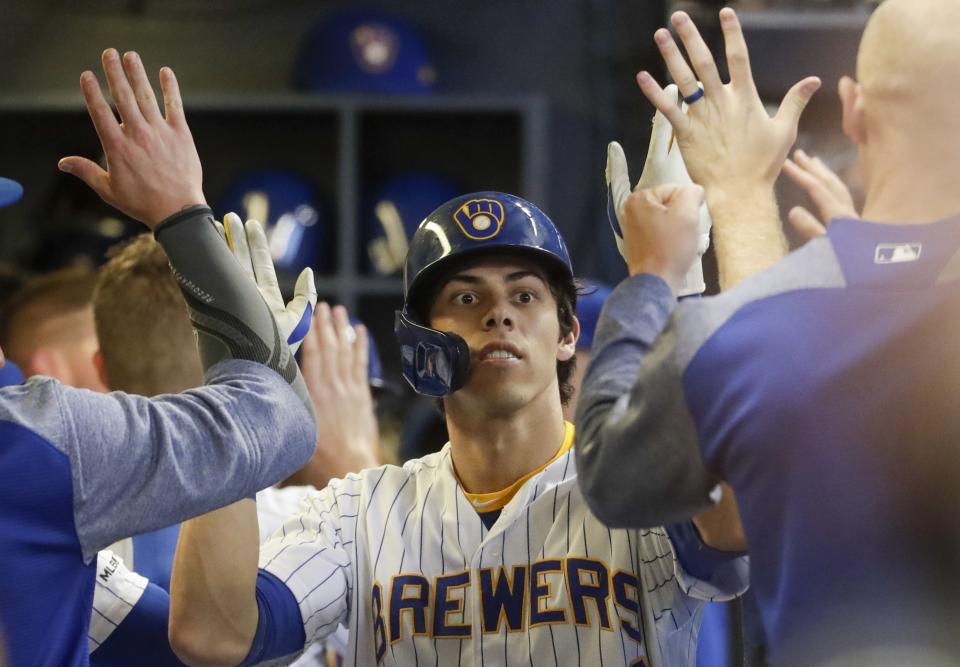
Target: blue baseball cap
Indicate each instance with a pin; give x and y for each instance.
(395, 212)
(364, 51)
(590, 300)
(10, 191)
(289, 208)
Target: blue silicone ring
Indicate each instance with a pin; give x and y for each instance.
(690, 99)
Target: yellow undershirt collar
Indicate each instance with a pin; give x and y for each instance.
(497, 500)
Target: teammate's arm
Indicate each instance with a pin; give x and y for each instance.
(735, 151)
(660, 237)
(729, 143)
(250, 429)
(348, 436)
(720, 526)
(223, 608)
(154, 175)
(213, 610)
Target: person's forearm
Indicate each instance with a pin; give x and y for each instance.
(213, 605)
(324, 466)
(747, 234)
(229, 315)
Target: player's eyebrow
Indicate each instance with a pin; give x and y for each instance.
(511, 277)
(520, 275)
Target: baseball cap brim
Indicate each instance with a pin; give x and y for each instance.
(10, 191)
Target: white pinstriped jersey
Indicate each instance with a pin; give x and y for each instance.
(274, 506)
(115, 594)
(118, 588)
(400, 557)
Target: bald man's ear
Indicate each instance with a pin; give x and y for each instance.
(854, 124)
(101, 368)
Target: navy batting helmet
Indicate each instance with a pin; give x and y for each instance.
(437, 363)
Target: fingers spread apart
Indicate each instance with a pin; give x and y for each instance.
(705, 67)
(142, 90)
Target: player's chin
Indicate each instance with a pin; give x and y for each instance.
(494, 381)
(499, 400)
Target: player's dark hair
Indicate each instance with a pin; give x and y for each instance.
(565, 292)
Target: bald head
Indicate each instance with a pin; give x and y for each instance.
(902, 111)
(910, 56)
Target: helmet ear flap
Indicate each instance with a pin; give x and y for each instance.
(434, 363)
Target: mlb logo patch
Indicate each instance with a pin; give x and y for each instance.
(897, 253)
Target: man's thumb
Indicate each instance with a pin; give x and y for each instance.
(796, 101)
(87, 171)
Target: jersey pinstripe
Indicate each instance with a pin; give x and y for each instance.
(116, 592)
(399, 556)
(118, 589)
(274, 506)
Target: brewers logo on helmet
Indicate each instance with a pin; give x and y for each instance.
(437, 363)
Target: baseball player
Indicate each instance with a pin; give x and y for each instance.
(824, 389)
(137, 297)
(483, 553)
(79, 469)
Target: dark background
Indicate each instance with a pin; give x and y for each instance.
(580, 55)
(567, 64)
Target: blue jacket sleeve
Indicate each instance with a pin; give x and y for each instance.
(638, 458)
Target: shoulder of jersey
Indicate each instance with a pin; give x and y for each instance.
(391, 474)
(430, 461)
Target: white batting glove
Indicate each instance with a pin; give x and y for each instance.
(249, 245)
(664, 165)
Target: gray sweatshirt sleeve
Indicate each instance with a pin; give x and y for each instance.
(230, 317)
(638, 457)
(139, 464)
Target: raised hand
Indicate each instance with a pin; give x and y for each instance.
(828, 193)
(334, 361)
(728, 140)
(153, 169)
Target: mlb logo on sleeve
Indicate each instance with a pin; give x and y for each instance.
(897, 253)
